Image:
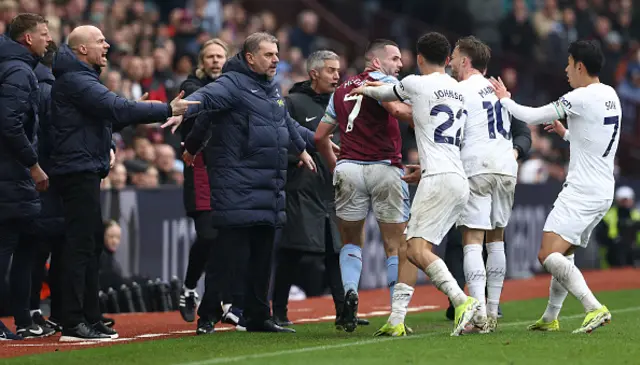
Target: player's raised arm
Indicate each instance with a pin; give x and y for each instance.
(529, 115)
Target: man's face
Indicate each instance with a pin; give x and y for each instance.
(456, 64)
(390, 60)
(572, 71)
(118, 177)
(38, 39)
(96, 48)
(265, 60)
(213, 59)
(327, 77)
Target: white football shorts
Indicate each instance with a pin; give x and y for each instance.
(574, 219)
(437, 205)
(490, 202)
(360, 187)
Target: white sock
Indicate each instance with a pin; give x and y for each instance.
(226, 308)
(32, 312)
(402, 294)
(571, 278)
(496, 271)
(476, 276)
(441, 277)
(557, 295)
(188, 292)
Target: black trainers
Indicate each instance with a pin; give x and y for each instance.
(38, 318)
(350, 312)
(109, 322)
(101, 327)
(82, 332)
(205, 327)
(54, 323)
(282, 320)
(35, 331)
(188, 303)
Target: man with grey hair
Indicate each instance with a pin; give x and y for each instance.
(252, 133)
(310, 237)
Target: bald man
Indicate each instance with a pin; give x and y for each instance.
(84, 113)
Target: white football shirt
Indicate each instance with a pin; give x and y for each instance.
(486, 147)
(593, 116)
(439, 116)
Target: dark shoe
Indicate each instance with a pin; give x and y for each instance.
(205, 327)
(109, 322)
(363, 322)
(350, 312)
(451, 313)
(101, 327)
(282, 320)
(38, 319)
(6, 334)
(35, 331)
(188, 303)
(268, 326)
(82, 332)
(233, 316)
(54, 323)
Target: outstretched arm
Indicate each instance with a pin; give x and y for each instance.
(529, 115)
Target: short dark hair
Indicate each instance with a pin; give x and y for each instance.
(23, 23)
(434, 47)
(252, 42)
(376, 45)
(478, 52)
(47, 60)
(589, 53)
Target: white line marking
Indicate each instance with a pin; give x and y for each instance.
(224, 360)
(151, 335)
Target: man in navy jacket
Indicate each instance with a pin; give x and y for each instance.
(84, 113)
(251, 132)
(20, 173)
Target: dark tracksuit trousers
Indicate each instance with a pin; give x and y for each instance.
(16, 248)
(44, 247)
(289, 265)
(240, 264)
(80, 254)
(200, 250)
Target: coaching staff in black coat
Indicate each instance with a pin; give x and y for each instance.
(83, 113)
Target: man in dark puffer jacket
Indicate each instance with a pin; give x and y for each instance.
(20, 173)
(84, 113)
(251, 134)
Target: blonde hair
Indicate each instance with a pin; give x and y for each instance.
(200, 73)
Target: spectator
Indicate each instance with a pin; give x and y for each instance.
(545, 19)
(518, 35)
(165, 163)
(618, 233)
(304, 35)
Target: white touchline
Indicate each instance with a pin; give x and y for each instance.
(224, 360)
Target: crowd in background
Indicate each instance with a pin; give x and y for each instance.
(154, 47)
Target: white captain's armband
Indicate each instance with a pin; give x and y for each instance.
(329, 119)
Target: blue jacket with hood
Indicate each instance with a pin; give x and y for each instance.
(19, 101)
(251, 132)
